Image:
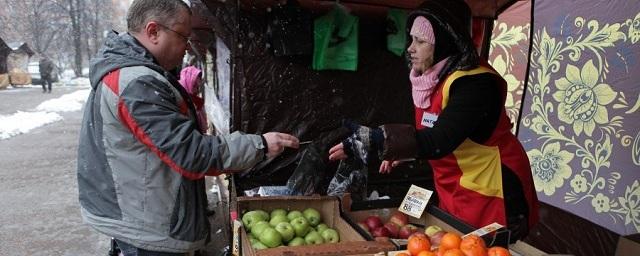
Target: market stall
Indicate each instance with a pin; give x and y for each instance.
(263, 71)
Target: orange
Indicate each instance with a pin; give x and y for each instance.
(498, 251)
(453, 252)
(473, 245)
(402, 254)
(416, 244)
(426, 253)
(450, 241)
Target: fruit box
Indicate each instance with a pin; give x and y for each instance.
(358, 211)
(351, 242)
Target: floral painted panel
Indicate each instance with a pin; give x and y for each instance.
(509, 53)
(581, 118)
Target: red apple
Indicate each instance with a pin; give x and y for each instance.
(406, 231)
(399, 219)
(393, 229)
(363, 225)
(435, 238)
(381, 232)
(420, 234)
(373, 222)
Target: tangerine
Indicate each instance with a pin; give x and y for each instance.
(453, 252)
(450, 241)
(498, 251)
(426, 253)
(416, 244)
(473, 245)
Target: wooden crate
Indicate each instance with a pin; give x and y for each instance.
(351, 242)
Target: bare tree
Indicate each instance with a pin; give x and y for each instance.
(71, 31)
(35, 17)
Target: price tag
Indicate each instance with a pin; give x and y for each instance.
(415, 201)
(485, 230)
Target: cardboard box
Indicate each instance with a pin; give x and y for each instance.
(358, 211)
(520, 248)
(517, 249)
(628, 245)
(351, 242)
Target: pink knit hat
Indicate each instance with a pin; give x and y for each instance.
(421, 28)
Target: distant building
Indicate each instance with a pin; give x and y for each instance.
(17, 62)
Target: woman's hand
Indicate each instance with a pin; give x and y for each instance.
(386, 166)
(337, 153)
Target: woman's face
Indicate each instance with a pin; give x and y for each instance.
(420, 54)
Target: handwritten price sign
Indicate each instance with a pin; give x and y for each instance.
(415, 201)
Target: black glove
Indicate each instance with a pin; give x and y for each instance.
(364, 142)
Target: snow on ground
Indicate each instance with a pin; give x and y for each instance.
(66, 103)
(45, 113)
(23, 122)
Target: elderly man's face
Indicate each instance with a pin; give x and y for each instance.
(421, 54)
(173, 41)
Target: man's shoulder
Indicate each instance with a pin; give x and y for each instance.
(128, 74)
(132, 76)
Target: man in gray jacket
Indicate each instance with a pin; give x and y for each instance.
(141, 158)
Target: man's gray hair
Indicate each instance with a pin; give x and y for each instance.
(143, 11)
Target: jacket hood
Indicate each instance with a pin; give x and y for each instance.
(451, 22)
(120, 50)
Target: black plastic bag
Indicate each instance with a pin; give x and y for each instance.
(308, 176)
(350, 177)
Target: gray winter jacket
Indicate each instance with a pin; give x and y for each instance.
(141, 158)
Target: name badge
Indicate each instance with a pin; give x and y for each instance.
(428, 119)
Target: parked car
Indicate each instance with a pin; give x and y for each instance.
(34, 70)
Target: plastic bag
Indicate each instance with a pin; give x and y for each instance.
(396, 31)
(336, 41)
(308, 175)
(351, 177)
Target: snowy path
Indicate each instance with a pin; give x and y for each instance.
(47, 112)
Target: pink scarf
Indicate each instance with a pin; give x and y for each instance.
(422, 86)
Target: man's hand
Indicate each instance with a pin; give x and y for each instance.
(276, 142)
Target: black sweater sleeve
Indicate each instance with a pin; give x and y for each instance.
(472, 112)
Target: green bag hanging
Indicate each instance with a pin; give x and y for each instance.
(336, 41)
(396, 31)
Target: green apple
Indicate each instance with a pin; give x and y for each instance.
(313, 216)
(270, 237)
(312, 229)
(278, 219)
(431, 230)
(314, 238)
(294, 214)
(286, 231)
(300, 226)
(330, 235)
(276, 212)
(321, 227)
(258, 245)
(253, 217)
(297, 241)
(250, 236)
(259, 227)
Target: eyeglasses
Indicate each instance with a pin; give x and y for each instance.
(186, 38)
